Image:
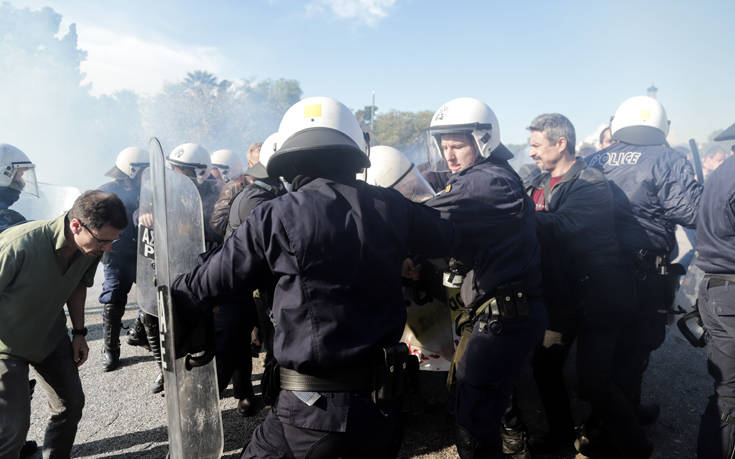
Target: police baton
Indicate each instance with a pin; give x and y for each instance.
(697, 161)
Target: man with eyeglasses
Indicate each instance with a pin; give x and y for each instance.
(61, 255)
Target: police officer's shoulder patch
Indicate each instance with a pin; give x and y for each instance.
(448, 188)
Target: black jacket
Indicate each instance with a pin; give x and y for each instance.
(577, 236)
(335, 251)
(715, 238)
(579, 219)
(654, 190)
(488, 206)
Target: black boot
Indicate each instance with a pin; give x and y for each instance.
(111, 317)
(150, 323)
(515, 442)
(136, 334)
(468, 446)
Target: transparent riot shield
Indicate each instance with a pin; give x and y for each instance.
(144, 276)
(192, 399)
(52, 201)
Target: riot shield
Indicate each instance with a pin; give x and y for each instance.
(192, 399)
(144, 276)
(52, 201)
(429, 331)
(428, 334)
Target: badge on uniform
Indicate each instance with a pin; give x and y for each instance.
(449, 187)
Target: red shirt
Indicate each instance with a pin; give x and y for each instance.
(538, 194)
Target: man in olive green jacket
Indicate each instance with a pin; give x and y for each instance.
(44, 265)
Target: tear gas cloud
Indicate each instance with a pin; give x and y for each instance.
(74, 137)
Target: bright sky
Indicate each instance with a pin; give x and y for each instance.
(522, 58)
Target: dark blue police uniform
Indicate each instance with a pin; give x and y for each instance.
(335, 251)
(120, 263)
(654, 189)
(9, 217)
(715, 242)
(496, 222)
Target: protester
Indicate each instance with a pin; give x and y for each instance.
(62, 256)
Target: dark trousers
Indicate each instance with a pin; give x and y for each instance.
(486, 375)
(59, 377)
(233, 324)
(606, 362)
(119, 279)
(655, 297)
(717, 428)
(368, 433)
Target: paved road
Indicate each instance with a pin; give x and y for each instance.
(123, 419)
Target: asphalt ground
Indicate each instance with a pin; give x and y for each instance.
(122, 418)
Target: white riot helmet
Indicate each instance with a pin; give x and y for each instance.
(129, 163)
(465, 115)
(194, 157)
(18, 172)
(228, 164)
(389, 168)
(319, 135)
(270, 144)
(640, 120)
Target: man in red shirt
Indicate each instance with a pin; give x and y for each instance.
(585, 282)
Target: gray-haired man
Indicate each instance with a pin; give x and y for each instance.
(588, 291)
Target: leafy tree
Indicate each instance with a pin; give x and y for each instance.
(218, 114)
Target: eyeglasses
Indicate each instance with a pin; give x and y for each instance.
(99, 241)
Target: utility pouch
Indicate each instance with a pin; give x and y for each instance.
(270, 383)
(512, 302)
(393, 373)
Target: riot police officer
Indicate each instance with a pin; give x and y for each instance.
(654, 189)
(18, 175)
(505, 314)
(715, 242)
(193, 161)
(333, 247)
(225, 166)
(120, 263)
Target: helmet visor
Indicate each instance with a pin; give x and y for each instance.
(414, 186)
(24, 178)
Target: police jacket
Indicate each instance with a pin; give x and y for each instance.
(125, 247)
(715, 237)
(209, 193)
(654, 189)
(9, 217)
(221, 209)
(253, 195)
(335, 251)
(497, 227)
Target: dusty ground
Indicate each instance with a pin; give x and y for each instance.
(123, 419)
